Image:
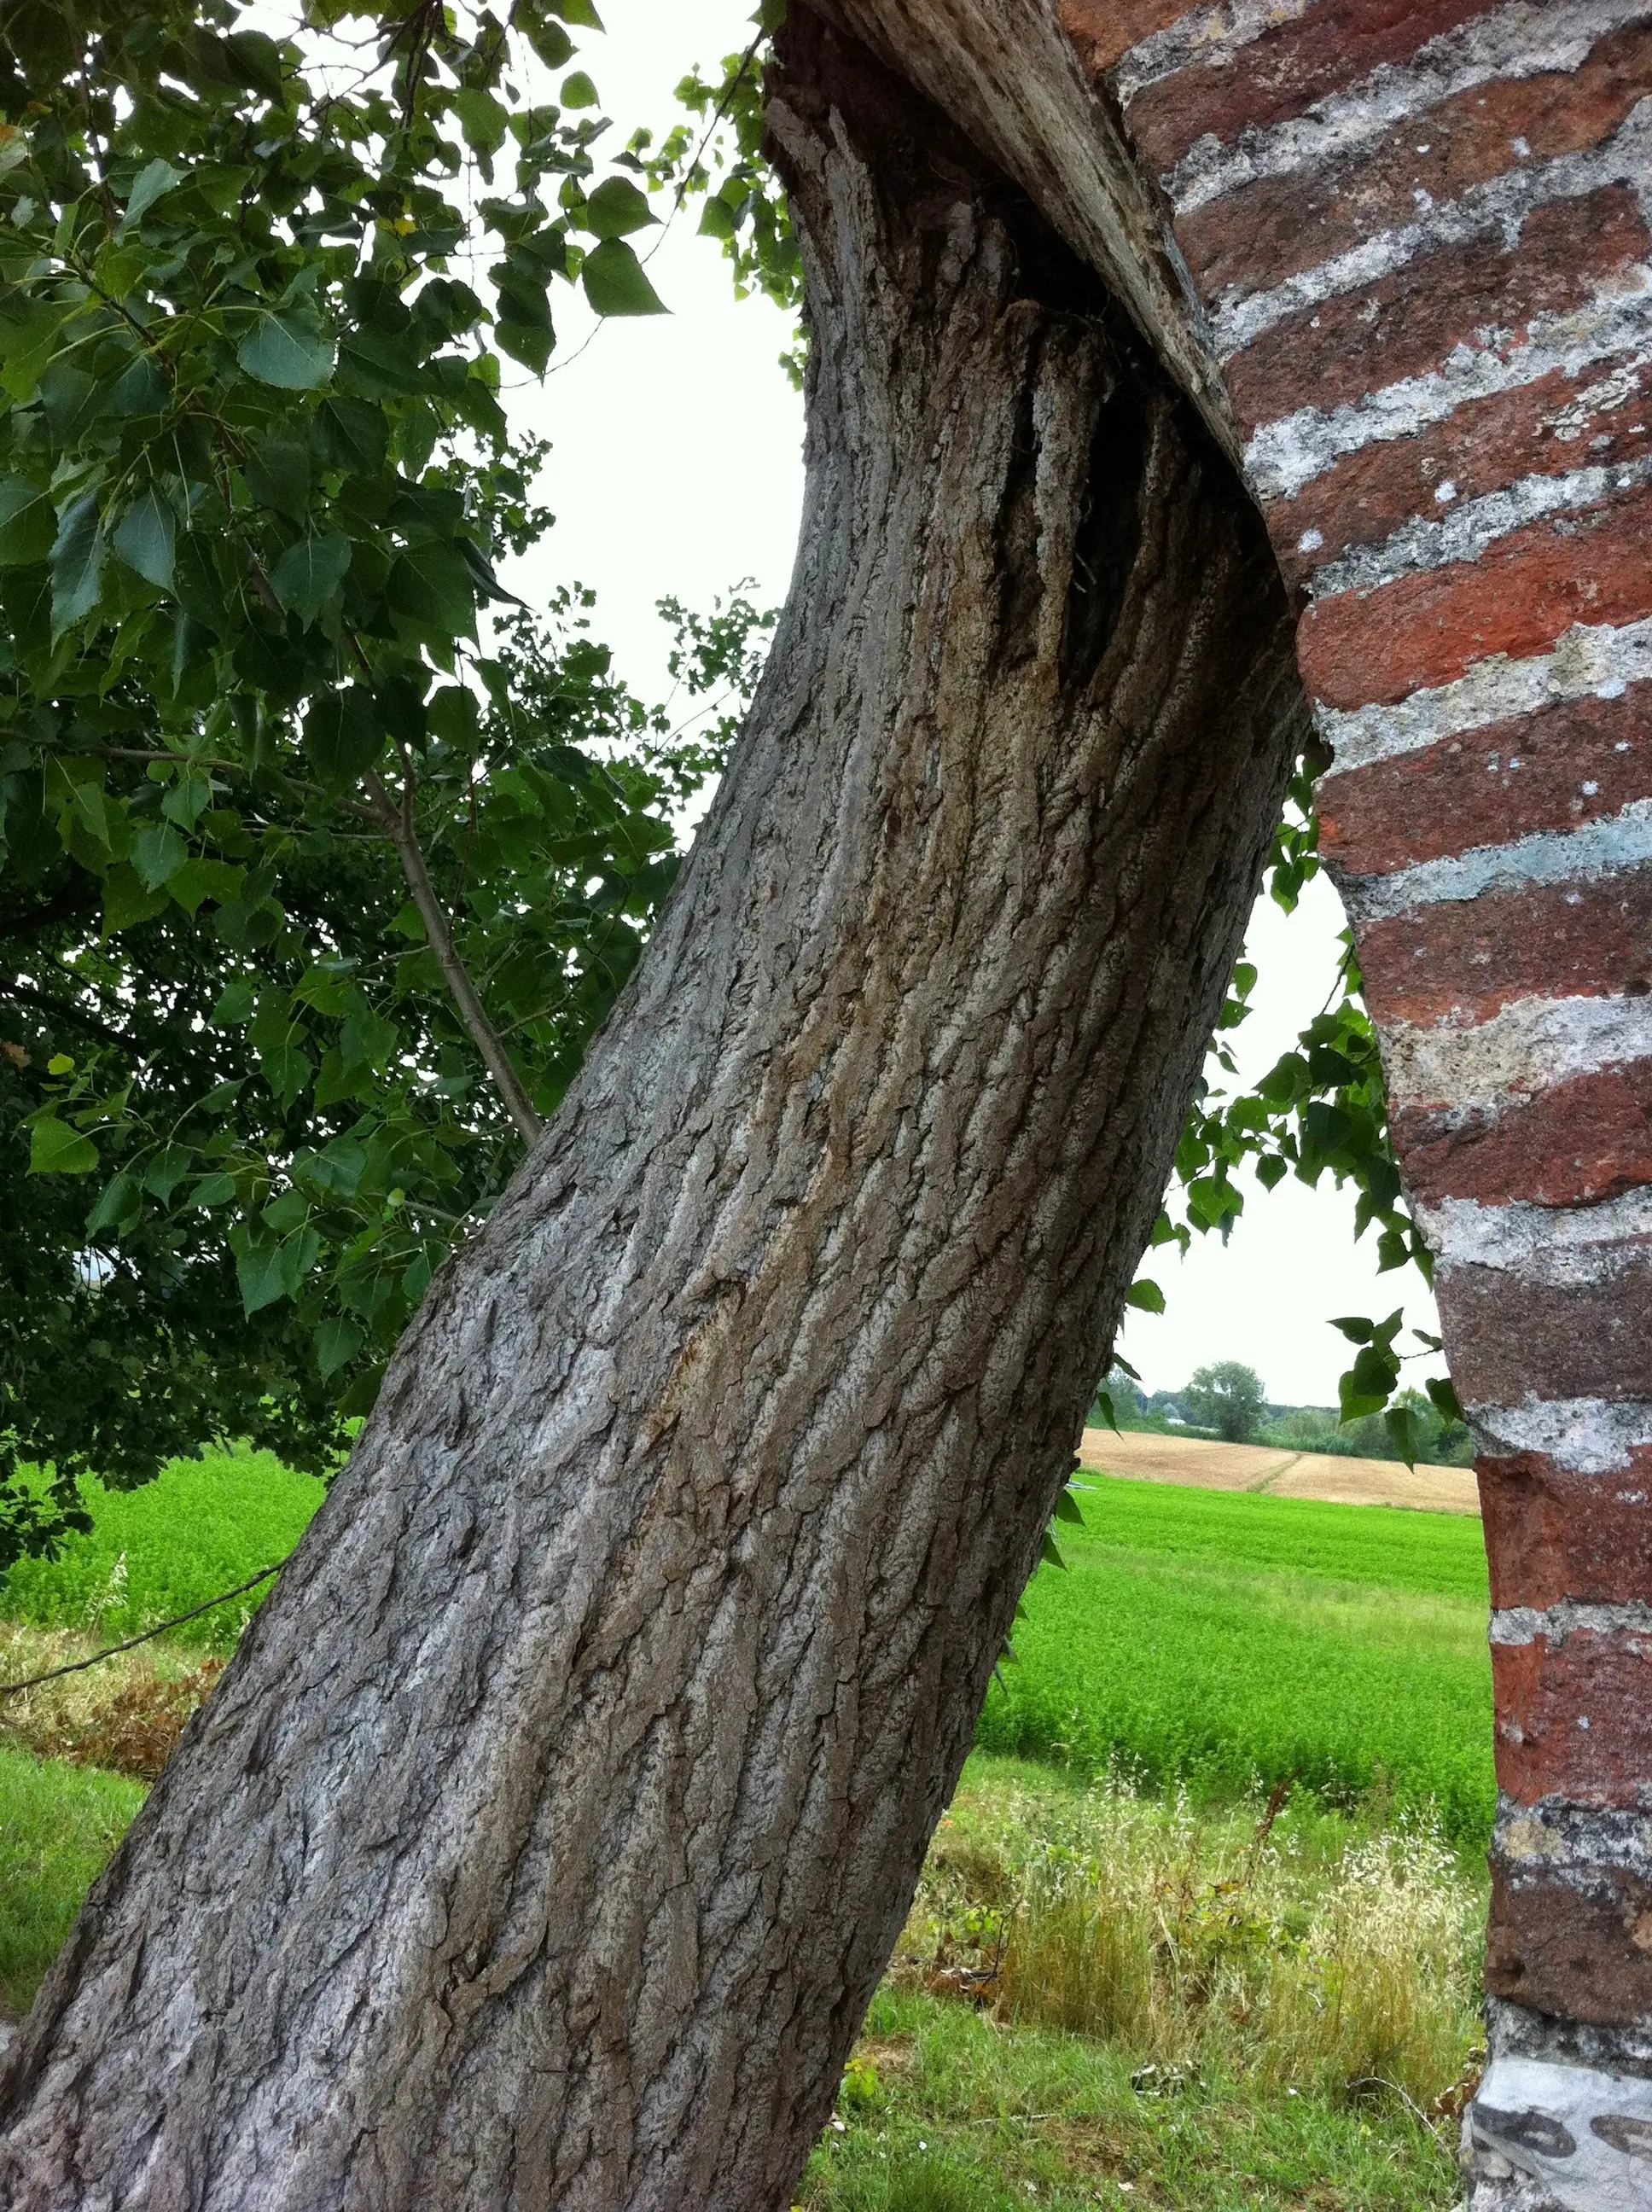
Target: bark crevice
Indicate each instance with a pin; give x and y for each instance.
(544, 1841)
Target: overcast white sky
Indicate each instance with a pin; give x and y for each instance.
(676, 469)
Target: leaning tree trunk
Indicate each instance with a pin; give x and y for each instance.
(544, 1842)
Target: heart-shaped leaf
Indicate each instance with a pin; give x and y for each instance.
(289, 351)
(615, 282)
(308, 573)
(146, 538)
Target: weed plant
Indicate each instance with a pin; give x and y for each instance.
(125, 1715)
(203, 1526)
(1103, 2000)
(1289, 1950)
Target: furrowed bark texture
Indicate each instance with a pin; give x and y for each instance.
(544, 1842)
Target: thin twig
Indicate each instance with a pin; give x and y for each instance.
(398, 826)
(79, 1666)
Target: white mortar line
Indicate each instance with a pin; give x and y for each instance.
(1501, 204)
(1472, 1070)
(1584, 1436)
(1570, 1838)
(1285, 456)
(1598, 662)
(1212, 36)
(1524, 1624)
(1540, 1243)
(1577, 2167)
(1612, 845)
(1465, 532)
(1527, 38)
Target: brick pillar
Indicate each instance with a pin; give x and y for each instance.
(1418, 232)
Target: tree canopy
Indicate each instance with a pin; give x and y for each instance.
(321, 857)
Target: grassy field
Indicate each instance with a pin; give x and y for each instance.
(1176, 1995)
(203, 1526)
(57, 1826)
(1222, 1639)
(1103, 2000)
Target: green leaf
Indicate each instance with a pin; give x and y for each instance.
(1356, 1328)
(578, 91)
(288, 351)
(28, 523)
(146, 538)
(118, 1207)
(1147, 1296)
(152, 183)
(616, 207)
(549, 40)
(343, 736)
(336, 1343)
(482, 119)
(363, 1394)
(128, 900)
(308, 573)
(351, 435)
(615, 282)
(260, 1269)
(56, 1149)
(76, 563)
(199, 880)
(278, 474)
(432, 586)
(1067, 1509)
(167, 1170)
(1049, 1552)
(1401, 1422)
(1443, 1392)
(235, 1006)
(158, 852)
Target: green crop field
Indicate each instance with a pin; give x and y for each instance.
(201, 1526)
(1172, 2005)
(1218, 1640)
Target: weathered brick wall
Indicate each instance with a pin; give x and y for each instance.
(1417, 232)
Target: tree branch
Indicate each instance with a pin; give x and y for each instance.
(399, 827)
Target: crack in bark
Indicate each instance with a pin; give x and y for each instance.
(545, 1840)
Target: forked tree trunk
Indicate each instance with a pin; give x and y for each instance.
(544, 1842)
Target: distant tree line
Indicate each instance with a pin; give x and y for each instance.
(1227, 1401)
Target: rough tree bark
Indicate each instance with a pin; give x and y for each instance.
(544, 1842)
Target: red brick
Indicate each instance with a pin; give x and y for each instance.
(1575, 1953)
(1411, 321)
(1466, 959)
(1509, 1337)
(1337, 43)
(1552, 1535)
(1545, 1692)
(1503, 782)
(1578, 1143)
(1485, 445)
(1103, 31)
(1258, 236)
(1360, 648)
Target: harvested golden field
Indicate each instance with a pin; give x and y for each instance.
(1147, 1457)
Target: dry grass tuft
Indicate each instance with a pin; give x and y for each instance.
(1307, 1960)
(126, 1716)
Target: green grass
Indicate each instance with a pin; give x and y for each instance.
(57, 1826)
(201, 1526)
(952, 2113)
(1216, 1639)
